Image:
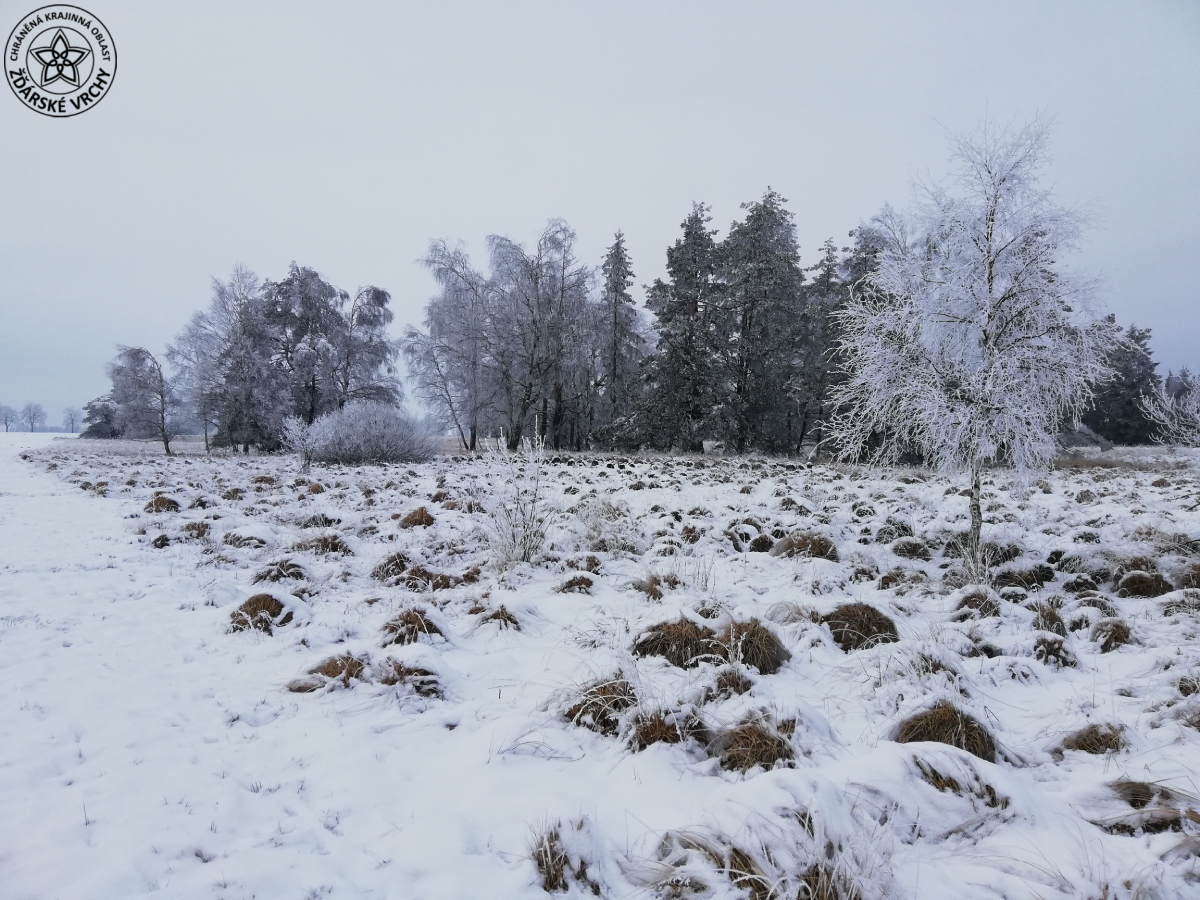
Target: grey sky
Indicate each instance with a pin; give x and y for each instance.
(345, 136)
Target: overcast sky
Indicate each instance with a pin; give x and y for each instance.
(345, 136)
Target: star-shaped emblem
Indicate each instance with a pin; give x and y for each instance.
(60, 61)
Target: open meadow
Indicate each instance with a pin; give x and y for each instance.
(710, 677)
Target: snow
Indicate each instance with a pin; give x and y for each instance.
(145, 749)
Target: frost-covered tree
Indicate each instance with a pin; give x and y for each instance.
(72, 416)
(971, 344)
(33, 415)
(1117, 412)
(100, 419)
(1175, 408)
(621, 342)
(147, 403)
(8, 416)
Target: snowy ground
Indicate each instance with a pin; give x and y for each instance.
(147, 749)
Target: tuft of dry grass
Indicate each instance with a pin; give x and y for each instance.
(682, 643)
(198, 530)
(911, 548)
(262, 479)
(418, 518)
(279, 571)
(503, 618)
(161, 542)
(334, 669)
(946, 724)
(1095, 601)
(979, 601)
(1111, 634)
(823, 882)
(261, 612)
(1189, 602)
(1143, 584)
(761, 544)
(805, 544)
(653, 586)
(551, 860)
(408, 626)
(316, 488)
(730, 681)
(418, 578)
(755, 645)
(788, 612)
(161, 504)
(233, 494)
(1096, 739)
(577, 584)
(857, 625)
(1046, 618)
(664, 727)
(752, 744)
(391, 568)
(422, 681)
(1053, 652)
(242, 541)
(325, 544)
(1027, 579)
(600, 704)
(1188, 685)
(320, 520)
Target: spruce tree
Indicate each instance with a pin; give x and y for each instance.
(1117, 413)
(622, 343)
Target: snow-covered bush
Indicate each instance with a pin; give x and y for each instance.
(363, 432)
(519, 513)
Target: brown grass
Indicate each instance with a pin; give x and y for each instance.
(730, 681)
(408, 626)
(823, 882)
(1028, 579)
(857, 625)
(422, 681)
(1095, 739)
(750, 745)
(1095, 601)
(261, 613)
(325, 544)
(241, 541)
(600, 704)
(418, 578)
(316, 488)
(391, 568)
(755, 645)
(279, 571)
(979, 601)
(1111, 633)
(551, 860)
(663, 727)
(198, 530)
(1053, 652)
(233, 494)
(911, 548)
(1046, 618)
(503, 618)
(419, 517)
(682, 643)
(161, 504)
(805, 544)
(320, 520)
(945, 724)
(1188, 603)
(578, 584)
(653, 586)
(762, 543)
(1143, 584)
(262, 479)
(160, 542)
(336, 668)
(1189, 685)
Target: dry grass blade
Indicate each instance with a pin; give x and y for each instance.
(857, 625)
(755, 645)
(682, 643)
(945, 724)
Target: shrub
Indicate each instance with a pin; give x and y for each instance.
(1095, 739)
(805, 544)
(391, 569)
(682, 643)
(261, 612)
(361, 432)
(752, 744)
(946, 724)
(519, 511)
(755, 645)
(408, 627)
(857, 625)
(418, 518)
(600, 704)
(162, 504)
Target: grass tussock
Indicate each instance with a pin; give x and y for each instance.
(653, 586)
(503, 618)
(664, 727)
(282, 570)
(824, 882)
(755, 645)
(753, 745)
(789, 612)
(600, 704)
(730, 861)
(979, 602)
(233, 494)
(418, 518)
(242, 541)
(946, 724)
(805, 544)
(1046, 618)
(408, 627)
(197, 530)
(325, 545)
(422, 681)
(320, 520)
(391, 569)
(1111, 634)
(856, 626)
(262, 612)
(551, 860)
(731, 681)
(329, 671)
(418, 578)
(911, 548)
(682, 643)
(161, 504)
(1053, 652)
(577, 584)
(1096, 739)
(1188, 685)
(1143, 584)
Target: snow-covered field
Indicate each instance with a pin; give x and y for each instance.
(148, 748)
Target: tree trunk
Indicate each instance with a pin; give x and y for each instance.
(974, 547)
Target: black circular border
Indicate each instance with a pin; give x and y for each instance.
(112, 42)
